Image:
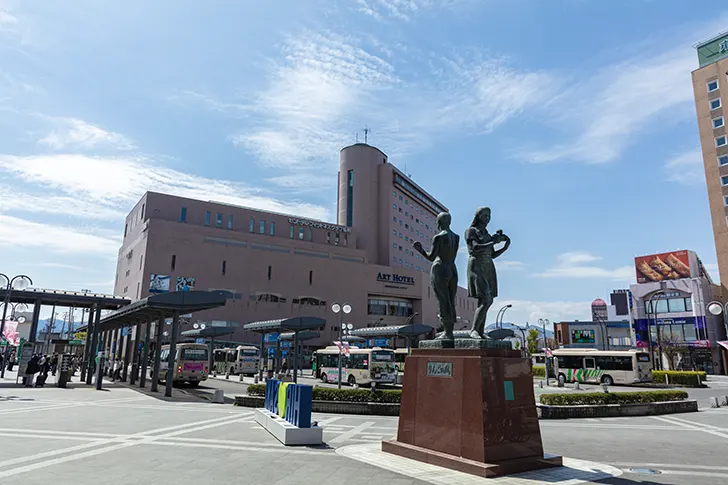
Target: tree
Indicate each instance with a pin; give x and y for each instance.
(517, 345)
(672, 347)
(532, 340)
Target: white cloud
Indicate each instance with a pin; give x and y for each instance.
(324, 87)
(60, 266)
(505, 265)
(114, 183)
(78, 134)
(574, 265)
(404, 10)
(686, 168)
(14, 200)
(54, 239)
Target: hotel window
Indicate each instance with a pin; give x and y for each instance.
(174, 261)
(261, 227)
(208, 216)
(394, 245)
(270, 270)
(718, 122)
(406, 226)
(350, 199)
(218, 221)
(230, 222)
(400, 210)
(406, 264)
(336, 239)
(300, 233)
(395, 193)
(328, 238)
(723, 160)
(400, 235)
(292, 228)
(725, 200)
(714, 104)
(394, 219)
(724, 180)
(400, 222)
(252, 225)
(394, 206)
(721, 141)
(400, 262)
(406, 238)
(400, 197)
(394, 231)
(713, 86)
(310, 234)
(406, 214)
(400, 248)
(406, 251)
(272, 228)
(183, 214)
(346, 240)
(394, 259)
(310, 277)
(224, 267)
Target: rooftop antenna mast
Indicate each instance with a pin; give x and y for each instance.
(366, 135)
(357, 136)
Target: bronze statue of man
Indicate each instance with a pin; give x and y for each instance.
(482, 278)
(443, 273)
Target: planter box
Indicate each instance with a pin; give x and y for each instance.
(342, 407)
(616, 410)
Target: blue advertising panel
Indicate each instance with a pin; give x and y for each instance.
(271, 338)
(381, 342)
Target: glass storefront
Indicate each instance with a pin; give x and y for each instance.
(384, 307)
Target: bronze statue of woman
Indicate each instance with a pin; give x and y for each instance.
(482, 278)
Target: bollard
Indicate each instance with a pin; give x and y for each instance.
(576, 386)
(714, 402)
(540, 384)
(255, 379)
(724, 401)
(559, 383)
(606, 388)
(214, 373)
(219, 397)
(356, 386)
(227, 374)
(241, 377)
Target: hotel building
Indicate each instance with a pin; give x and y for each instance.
(273, 265)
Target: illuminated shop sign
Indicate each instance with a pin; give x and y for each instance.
(318, 225)
(395, 278)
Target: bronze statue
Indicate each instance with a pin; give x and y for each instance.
(444, 273)
(482, 278)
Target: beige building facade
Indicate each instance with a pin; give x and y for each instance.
(273, 265)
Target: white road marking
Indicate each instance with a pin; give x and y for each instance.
(102, 442)
(39, 408)
(670, 465)
(694, 427)
(687, 421)
(694, 473)
(352, 432)
(330, 420)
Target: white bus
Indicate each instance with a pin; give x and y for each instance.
(191, 364)
(244, 359)
(602, 366)
(361, 366)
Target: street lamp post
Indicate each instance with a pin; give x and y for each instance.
(499, 315)
(19, 282)
(544, 322)
(653, 306)
(340, 310)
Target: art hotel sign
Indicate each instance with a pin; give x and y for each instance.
(395, 278)
(318, 225)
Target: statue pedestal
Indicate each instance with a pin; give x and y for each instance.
(472, 410)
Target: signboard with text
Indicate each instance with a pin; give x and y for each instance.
(582, 336)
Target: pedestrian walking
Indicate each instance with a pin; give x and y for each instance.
(118, 365)
(31, 369)
(44, 367)
(54, 363)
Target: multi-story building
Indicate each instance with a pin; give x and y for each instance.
(275, 265)
(710, 86)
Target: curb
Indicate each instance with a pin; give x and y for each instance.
(616, 410)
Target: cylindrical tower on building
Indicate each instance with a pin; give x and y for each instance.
(359, 195)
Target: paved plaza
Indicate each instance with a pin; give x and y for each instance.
(119, 435)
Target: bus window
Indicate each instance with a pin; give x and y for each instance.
(643, 357)
(383, 356)
(589, 362)
(194, 354)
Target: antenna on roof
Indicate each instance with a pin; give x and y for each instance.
(357, 136)
(366, 135)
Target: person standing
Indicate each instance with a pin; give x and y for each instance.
(31, 369)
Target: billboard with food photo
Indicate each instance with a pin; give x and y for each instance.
(664, 266)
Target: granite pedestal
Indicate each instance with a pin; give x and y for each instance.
(472, 410)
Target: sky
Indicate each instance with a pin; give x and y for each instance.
(572, 119)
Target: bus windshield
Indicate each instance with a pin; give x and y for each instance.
(382, 356)
(249, 352)
(194, 354)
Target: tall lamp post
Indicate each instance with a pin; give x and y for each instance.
(499, 315)
(19, 282)
(653, 307)
(543, 322)
(340, 310)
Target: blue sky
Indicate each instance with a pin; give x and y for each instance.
(573, 120)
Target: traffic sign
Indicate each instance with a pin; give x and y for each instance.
(199, 340)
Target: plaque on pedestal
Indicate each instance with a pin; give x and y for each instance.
(472, 410)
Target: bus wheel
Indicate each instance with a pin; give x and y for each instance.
(351, 380)
(562, 379)
(607, 380)
(323, 378)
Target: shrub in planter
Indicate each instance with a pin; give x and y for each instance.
(597, 398)
(538, 371)
(341, 395)
(682, 378)
(256, 390)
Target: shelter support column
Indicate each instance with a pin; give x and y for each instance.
(91, 362)
(157, 353)
(172, 355)
(145, 354)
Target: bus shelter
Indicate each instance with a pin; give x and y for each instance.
(289, 337)
(143, 313)
(294, 325)
(408, 332)
(208, 333)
